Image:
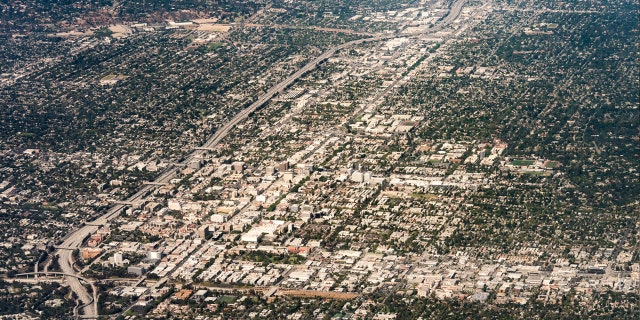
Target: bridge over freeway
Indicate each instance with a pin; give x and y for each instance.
(65, 248)
(53, 273)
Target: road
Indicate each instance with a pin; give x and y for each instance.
(74, 239)
(280, 26)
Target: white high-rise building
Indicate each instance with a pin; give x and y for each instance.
(117, 259)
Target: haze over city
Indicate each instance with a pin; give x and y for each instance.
(386, 159)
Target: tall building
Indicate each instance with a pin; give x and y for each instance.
(117, 259)
(283, 166)
(238, 166)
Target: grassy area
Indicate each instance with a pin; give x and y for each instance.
(552, 164)
(424, 196)
(260, 256)
(538, 173)
(210, 47)
(228, 299)
(114, 77)
(522, 162)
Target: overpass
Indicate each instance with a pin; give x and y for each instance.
(64, 248)
(153, 183)
(95, 223)
(51, 273)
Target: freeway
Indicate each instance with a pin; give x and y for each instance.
(454, 12)
(75, 238)
(65, 259)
